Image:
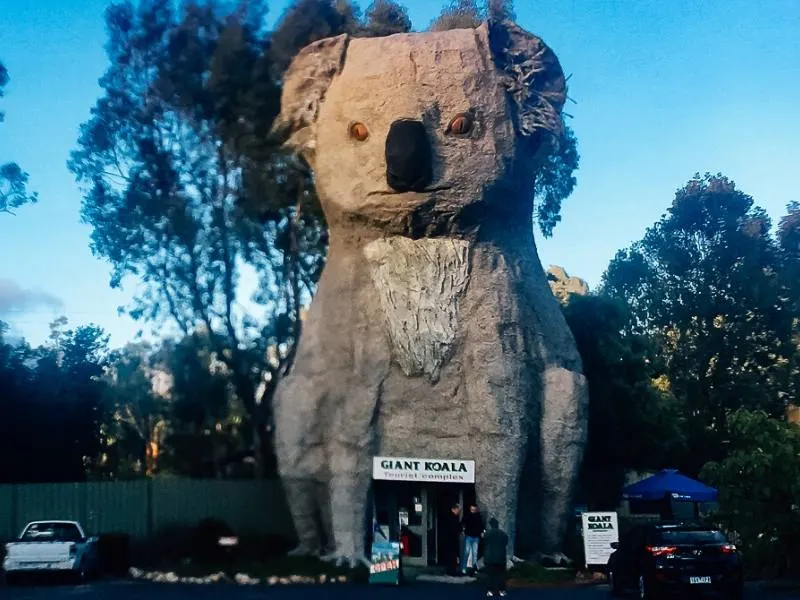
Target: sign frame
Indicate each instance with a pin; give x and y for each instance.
(423, 470)
(597, 540)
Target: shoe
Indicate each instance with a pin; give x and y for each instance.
(489, 595)
(502, 594)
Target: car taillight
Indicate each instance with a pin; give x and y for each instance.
(72, 550)
(662, 550)
(728, 549)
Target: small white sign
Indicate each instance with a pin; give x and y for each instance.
(600, 530)
(443, 470)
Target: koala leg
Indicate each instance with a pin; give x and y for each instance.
(564, 413)
(301, 458)
(497, 485)
(350, 452)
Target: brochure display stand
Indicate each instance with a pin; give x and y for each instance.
(385, 567)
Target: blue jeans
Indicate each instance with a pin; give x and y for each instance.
(469, 557)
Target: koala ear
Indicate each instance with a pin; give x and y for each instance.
(305, 84)
(532, 75)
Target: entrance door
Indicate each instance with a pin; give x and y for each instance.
(412, 516)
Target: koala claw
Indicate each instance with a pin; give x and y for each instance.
(304, 550)
(344, 560)
(557, 559)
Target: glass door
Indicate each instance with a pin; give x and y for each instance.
(412, 523)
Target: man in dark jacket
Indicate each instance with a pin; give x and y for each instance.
(451, 540)
(473, 532)
(495, 544)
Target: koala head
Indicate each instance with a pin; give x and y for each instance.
(413, 130)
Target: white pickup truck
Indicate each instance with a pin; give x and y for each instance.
(51, 547)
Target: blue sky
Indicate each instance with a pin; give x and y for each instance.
(663, 90)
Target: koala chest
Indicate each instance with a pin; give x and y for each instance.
(419, 284)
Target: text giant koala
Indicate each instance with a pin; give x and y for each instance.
(433, 331)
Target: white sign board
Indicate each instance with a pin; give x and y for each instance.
(600, 530)
(442, 470)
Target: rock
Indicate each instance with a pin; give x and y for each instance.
(563, 286)
(135, 573)
(171, 578)
(433, 331)
(272, 580)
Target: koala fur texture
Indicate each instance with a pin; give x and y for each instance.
(433, 331)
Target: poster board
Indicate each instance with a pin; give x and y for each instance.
(600, 530)
(385, 563)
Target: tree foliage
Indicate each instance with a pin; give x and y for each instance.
(759, 483)
(307, 21)
(385, 17)
(14, 191)
(184, 194)
(706, 282)
(633, 424)
(555, 182)
(51, 406)
(459, 14)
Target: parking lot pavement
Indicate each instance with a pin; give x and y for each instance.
(124, 590)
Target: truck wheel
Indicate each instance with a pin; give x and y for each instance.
(82, 575)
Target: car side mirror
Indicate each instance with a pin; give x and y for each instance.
(615, 545)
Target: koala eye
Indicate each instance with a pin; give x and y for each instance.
(358, 131)
(461, 124)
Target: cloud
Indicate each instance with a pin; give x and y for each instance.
(15, 299)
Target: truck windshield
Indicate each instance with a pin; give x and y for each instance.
(51, 532)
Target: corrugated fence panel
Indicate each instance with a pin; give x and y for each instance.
(117, 506)
(7, 520)
(139, 508)
(247, 506)
(43, 501)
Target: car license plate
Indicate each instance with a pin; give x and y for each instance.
(699, 580)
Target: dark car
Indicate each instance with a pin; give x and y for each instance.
(675, 559)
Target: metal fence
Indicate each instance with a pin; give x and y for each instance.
(141, 508)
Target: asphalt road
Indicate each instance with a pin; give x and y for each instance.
(124, 590)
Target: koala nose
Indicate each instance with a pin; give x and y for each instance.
(409, 160)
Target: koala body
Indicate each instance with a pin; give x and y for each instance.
(433, 331)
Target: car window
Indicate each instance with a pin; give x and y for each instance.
(55, 532)
(680, 537)
(632, 539)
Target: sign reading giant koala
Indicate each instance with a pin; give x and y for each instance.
(433, 331)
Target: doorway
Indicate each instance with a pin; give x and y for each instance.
(415, 514)
(402, 514)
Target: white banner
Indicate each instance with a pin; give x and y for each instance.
(600, 530)
(442, 470)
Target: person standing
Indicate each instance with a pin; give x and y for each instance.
(473, 531)
(495, 559)
(451, 540)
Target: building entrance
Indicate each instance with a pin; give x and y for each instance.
(415, 512)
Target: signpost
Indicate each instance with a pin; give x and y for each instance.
(600, 530)
(385, 567)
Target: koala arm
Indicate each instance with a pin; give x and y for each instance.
(564, 414)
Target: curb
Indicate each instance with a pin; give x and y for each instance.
(238, 579)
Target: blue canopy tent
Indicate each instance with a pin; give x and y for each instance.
(668, 492)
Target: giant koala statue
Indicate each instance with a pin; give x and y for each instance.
(433, 331)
